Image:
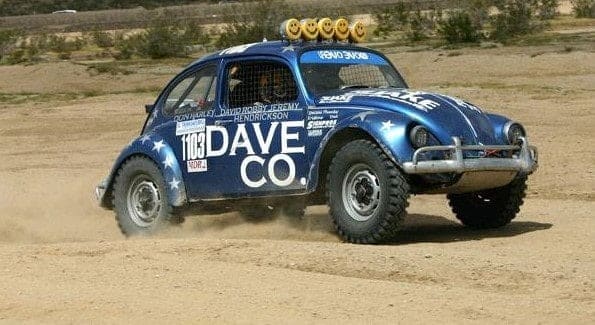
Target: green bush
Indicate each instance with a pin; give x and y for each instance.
(391, 18)
(262, 22)
(583, 8)
(162, 41)
(515, 18)
(127, 46)
(478, 10)
(421, 24)
(8, 39)
(408, 17)
(459, 28)
(61, 44)
(547, 9)
(165, 38)
(102, 39)
(16, 56)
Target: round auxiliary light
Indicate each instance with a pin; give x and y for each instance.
(357, 32)
(514, 132)
(291, 29)
(419, 137)
(341, 29)
(326, 30)
(309, 29)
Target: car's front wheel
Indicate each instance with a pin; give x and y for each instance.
(367, 194)
(140, 199)
(492, 208)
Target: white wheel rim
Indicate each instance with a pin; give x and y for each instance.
(361, 192)
(143, 201)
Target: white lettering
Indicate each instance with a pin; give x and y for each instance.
(265, 144)
(241, 140)
(244, 173)
(286, 136)
(211, 152)
(272, 171)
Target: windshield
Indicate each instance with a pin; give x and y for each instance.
(327, 71)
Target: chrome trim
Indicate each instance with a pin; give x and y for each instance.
(507, 127)
(524, 160)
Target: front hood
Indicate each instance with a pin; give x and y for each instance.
(443, 115)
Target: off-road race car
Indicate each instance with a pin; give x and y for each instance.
(274, 127)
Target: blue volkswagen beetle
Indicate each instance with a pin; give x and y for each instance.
(274, 127)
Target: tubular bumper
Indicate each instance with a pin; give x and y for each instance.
(523, 160)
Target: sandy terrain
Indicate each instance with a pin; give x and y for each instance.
(62, 258)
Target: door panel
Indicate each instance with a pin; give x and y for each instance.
(256, 142)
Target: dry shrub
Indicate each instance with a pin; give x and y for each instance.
(583, 8)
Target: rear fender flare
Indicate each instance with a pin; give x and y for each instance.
(161, 153)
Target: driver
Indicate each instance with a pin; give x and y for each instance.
(276, 87)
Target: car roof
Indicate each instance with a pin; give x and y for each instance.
(283, 49)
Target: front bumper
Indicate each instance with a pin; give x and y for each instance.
(523, 159)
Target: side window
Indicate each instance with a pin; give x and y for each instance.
(194, 93)
(259, 83)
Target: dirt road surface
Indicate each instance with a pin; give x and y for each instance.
(63, 260)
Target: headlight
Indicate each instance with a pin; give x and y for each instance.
(419, 137)
(514, 132)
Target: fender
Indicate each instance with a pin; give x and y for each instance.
(498, 122)
(161, 153)
(388, 129)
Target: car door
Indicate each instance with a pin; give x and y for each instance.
(188, 107)
(256, 145)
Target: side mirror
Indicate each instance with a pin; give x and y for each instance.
(149, 108)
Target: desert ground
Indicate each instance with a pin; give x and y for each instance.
(63, 260)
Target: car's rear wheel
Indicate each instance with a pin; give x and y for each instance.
(492, 208)
(367, 194)
(140, 200)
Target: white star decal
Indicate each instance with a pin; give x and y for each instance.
(362, 116)
(386, 125)
(174, 184)
(289, 47)
(158, 145)
(168, 162)
(145, 138)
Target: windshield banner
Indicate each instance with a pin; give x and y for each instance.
(337, 56)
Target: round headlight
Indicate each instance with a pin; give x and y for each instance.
(514, 132)
(419, 137)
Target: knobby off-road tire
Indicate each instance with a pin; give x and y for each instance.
(492, 208)
(140, 198)
(367, 194)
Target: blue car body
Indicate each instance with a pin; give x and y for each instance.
(278, 150)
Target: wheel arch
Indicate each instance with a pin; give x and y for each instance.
(332, 144)
(170, 172)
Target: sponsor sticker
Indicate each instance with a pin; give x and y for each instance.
(321, 124)
(416, 99)
(191, 126)
(197, 166)
(347, 55)
(315, 133)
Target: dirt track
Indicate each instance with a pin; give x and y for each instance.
(63, 260)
